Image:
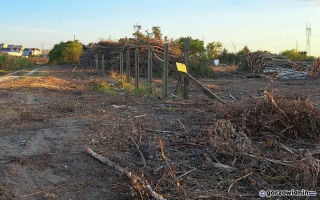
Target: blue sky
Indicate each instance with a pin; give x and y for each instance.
(273, 25)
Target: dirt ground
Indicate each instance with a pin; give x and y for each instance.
(49, 117)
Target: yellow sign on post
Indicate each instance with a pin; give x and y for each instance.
(181, 67)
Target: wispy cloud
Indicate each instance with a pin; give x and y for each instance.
(35, 30)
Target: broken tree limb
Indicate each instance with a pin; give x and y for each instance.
(129, 174)
(135, 131)
(201, 87)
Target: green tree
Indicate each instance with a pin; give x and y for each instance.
(156, 32)
(242, 54)
(214, 49)
(227, 58)
(295, 55)
(137, 31)
(196, 46)
(66, 52)
(245, 50)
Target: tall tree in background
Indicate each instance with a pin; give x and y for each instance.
(137, 31)
(214, 49)
(196, 46)
(156, 32)
(245, 50)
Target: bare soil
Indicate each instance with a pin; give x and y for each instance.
(48, 118)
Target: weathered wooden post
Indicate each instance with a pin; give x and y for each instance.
(150, 66)
(96, 61)
(186, 62)
(121, 63)
(165, 70)
(103, 67)
(128, 66)
(136, 63)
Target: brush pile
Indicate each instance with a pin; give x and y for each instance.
(315, 67)
(111, 51)
(233, 152)
(257, 62)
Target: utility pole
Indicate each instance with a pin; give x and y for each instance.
(234, 46)
(308, 34)
(74, 37)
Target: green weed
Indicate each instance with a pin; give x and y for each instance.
(103, 87)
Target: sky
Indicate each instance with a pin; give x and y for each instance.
(272, 25)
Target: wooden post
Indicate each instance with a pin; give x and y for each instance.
(96, 61)
(103, 67)
(165, 70)
(128, 66)
(150, 66)
(186, 62)
(201, 87)
(136, 63)
(121, 63)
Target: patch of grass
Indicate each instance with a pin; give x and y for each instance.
(143, 89)
(103, 87)
(3, 72)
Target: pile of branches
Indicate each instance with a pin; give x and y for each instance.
(111, 51)
(269, 140)
(258, 61)
(315, 67)
(263, 144)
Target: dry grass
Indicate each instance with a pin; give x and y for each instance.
(225, 69)
(33, 82)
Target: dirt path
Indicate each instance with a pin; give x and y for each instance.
(47, 119)
(18, 74)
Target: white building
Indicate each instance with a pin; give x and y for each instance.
(3, 45)
(31, 51)
(19, 50)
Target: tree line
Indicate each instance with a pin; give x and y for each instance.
(201, 55)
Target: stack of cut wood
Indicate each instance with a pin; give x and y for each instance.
(256, 62)
(111, 51)
(315, 67)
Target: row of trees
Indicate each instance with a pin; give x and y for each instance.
(70, 52)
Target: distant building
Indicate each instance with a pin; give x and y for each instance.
(3, 45)
(12, 46)
(19, 50)
(31, 52)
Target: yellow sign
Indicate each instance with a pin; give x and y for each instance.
(181, 67)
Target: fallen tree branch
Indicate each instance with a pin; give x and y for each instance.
(135, 131)
(238, 180)
(183, 126)
(134, 178)
(268, 159)
(188, 172)
(274, 103)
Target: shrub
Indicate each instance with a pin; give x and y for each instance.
(66, 52)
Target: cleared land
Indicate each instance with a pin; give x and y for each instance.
(196, 148)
